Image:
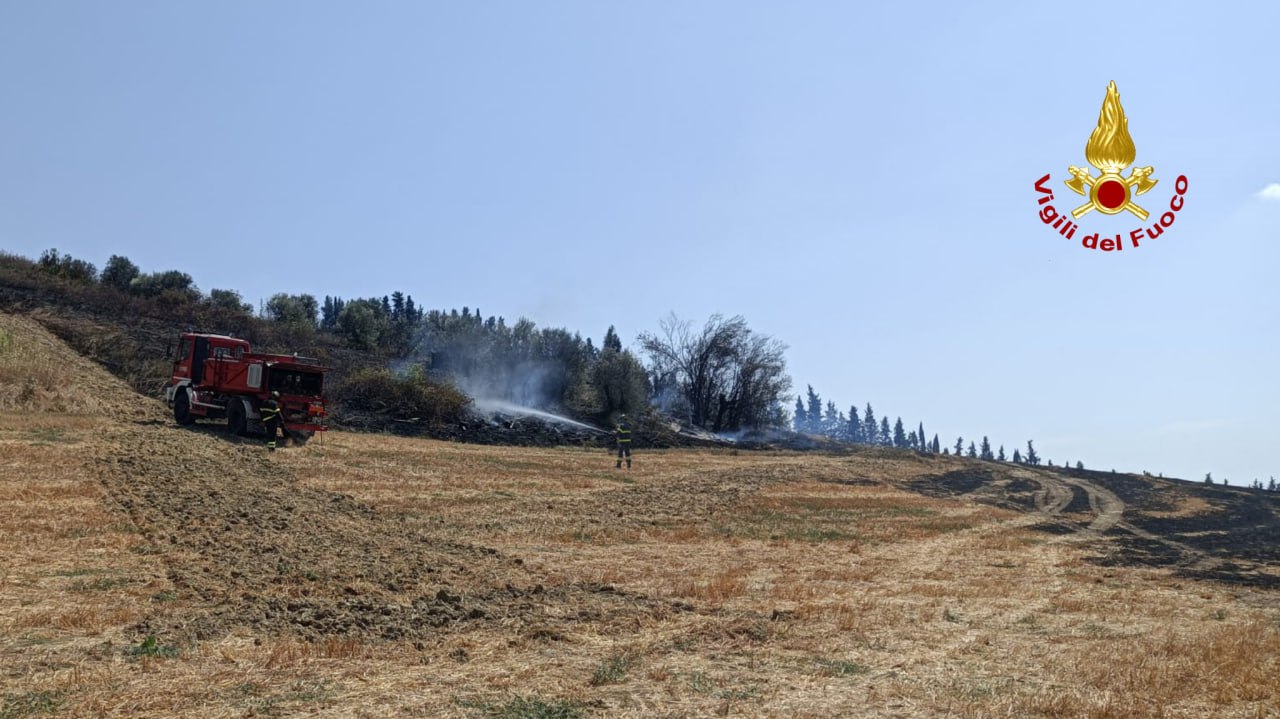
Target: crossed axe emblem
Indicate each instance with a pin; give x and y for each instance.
(1110, 193)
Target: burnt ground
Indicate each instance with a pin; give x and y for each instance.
(1211, 532)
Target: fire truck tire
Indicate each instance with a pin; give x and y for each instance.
(237, 419)
(300, 438)
(182, 408)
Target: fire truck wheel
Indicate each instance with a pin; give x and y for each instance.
(300, 438)
(237, 420)
(182, 408)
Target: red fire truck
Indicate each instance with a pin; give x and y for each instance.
(216, 377)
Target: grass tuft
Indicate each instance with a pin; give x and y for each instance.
(612, 671)
(839, 667)
(151, 647)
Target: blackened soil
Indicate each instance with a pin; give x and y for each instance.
(1210, 532)
(952, 484)
(1148, 494)
(1021, 495)
(1079, 502)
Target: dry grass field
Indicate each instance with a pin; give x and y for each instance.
(154, 571)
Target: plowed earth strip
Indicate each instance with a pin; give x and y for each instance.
(254, 549)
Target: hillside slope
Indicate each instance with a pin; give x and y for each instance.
(159, 571)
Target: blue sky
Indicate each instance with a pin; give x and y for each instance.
(857, 182)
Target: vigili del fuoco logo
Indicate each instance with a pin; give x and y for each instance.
(1110, 150)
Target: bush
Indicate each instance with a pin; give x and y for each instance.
(410, 396)
(67, 267)
(173, 282)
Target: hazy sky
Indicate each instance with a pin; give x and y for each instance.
(857, 181)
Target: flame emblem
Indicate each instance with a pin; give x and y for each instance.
(1110, 149)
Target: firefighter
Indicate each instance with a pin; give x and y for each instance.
(272, 420)
(622, 433)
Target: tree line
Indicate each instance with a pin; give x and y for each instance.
(720, 375)
(811, 416)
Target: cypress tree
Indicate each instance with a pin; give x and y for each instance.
(855, 425)
(801, 420)
(832, 421)
(870, 429)
(899, 435)
(886, 436)
(611, 340)
(986, 449)
(959, 446)
(815, 411)
(973, 451)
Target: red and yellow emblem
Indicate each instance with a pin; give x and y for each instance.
(1110, 149)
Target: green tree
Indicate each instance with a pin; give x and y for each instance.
(1000, 456)
(959, 448)
(620, 383)
(229, 300)
(973, 451)
(870, 428)
(853, 431)
(171, 283)
(814, 415)
(329, 312)
(611, 340)
(119, 273)
(363, 324)
(1017, 456)
(298, 310)
(397, 306)
(986, 449)
(801, 420)
(832, 420)
(886, 435)
(899, 434)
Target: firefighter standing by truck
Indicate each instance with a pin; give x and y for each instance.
(272, 420)
(622, 433)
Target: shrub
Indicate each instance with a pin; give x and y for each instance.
(408, 396)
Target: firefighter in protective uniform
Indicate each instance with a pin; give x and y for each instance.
(272, 420)
(622, 433)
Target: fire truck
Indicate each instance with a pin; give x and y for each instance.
(216, 377)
